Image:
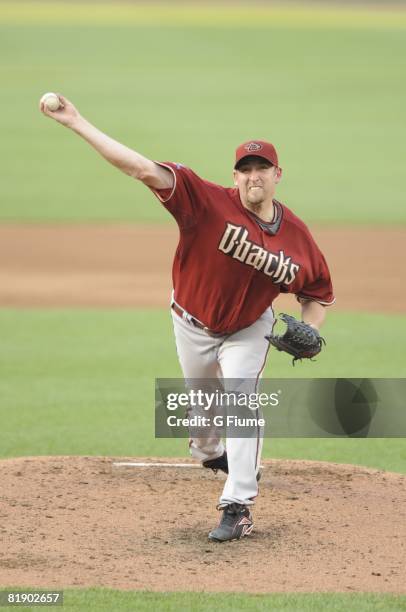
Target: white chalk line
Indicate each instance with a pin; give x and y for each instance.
(178, 465)
(140, 464)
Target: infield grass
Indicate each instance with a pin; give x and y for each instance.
(82, 382)
(324, 84)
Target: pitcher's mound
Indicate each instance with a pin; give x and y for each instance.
(75, 521)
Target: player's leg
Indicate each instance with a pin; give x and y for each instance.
(242, 356)
(197, 353)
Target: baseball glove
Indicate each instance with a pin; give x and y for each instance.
(299, 339)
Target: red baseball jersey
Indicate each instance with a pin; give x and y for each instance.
(229, 265)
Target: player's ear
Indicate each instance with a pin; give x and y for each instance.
(235, 177)
(278, 174)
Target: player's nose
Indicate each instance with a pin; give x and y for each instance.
(253, 174)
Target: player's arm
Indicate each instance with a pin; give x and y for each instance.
(124, 158)
(313, 313)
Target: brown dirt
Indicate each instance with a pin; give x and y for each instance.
(130, 266)
(75, 521)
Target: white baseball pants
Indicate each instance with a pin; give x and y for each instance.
(241, 355)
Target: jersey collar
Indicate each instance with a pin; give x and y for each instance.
(271, 227)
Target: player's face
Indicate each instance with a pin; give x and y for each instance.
(256, 180)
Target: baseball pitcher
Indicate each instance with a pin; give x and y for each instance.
(239, 248)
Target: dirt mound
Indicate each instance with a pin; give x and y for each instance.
(76, 521)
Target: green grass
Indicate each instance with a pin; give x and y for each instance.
(82, 382)
(326, 86)
(107, 599)
(162, 13)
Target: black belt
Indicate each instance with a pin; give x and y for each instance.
(195, 322)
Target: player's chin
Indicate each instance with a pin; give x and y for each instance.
(255, 197)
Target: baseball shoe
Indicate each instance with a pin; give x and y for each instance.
(221, 463)
(235, 523)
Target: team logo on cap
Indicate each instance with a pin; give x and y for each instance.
(253, 146)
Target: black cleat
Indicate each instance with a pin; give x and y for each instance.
(220, 463)
(235, 523)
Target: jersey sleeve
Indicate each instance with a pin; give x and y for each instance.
(187, 198)
(317, 285)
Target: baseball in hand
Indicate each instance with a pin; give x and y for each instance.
(51, 101)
